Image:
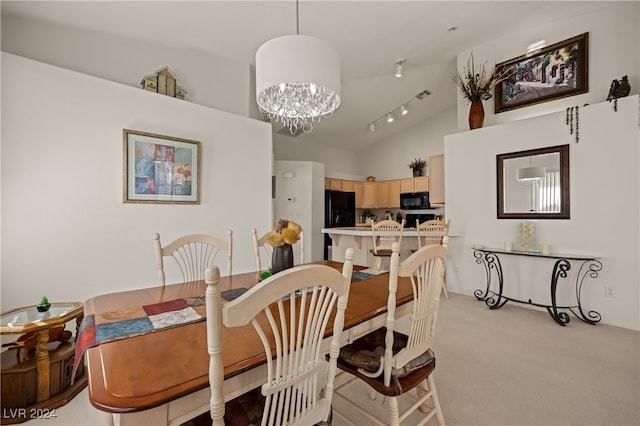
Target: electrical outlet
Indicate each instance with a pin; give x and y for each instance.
(608, 291)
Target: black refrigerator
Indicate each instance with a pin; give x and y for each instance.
(339, 211)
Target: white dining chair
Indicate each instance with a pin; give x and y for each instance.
(384, 234)
(290, 312)
(392, 363)
(193, 254)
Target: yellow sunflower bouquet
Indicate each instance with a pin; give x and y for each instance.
(286, 232)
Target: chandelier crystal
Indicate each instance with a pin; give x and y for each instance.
(297, 81)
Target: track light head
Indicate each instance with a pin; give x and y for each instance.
(399, 63)
(372, 127)
(389, 118)
(403, 110)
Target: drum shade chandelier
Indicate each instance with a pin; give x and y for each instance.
(297, 80)
(530, 174)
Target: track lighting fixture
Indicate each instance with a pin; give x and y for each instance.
(399, 63)
(402, 108)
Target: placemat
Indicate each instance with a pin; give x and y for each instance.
(124, 323)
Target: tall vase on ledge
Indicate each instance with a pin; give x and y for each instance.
(476, 115)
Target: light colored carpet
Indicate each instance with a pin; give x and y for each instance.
(516, 366)
(512, 366)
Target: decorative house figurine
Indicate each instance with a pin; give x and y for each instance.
(164, 82)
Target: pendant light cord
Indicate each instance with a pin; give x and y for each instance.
(297, 18)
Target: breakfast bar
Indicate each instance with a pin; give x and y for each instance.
(360, 239)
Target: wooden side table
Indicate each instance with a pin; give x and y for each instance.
(27, 319)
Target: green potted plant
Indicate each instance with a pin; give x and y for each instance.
(44, 305)
(417, 165)
(618, 89)
(367, 216)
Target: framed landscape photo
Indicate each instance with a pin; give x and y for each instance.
(160, 169)
(553, 72)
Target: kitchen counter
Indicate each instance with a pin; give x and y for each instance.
(360, 239)
(364, 231)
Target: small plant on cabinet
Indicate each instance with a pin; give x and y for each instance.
(417, 165)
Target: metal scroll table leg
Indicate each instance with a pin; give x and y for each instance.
(560, 269)
(491, 263)
(589, 268)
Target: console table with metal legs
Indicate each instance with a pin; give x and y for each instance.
(589, 267)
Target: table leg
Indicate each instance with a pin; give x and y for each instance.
(491, 262)
(42, 365)
(560, 269)
(589, 268)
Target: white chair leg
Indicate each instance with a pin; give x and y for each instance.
(372, 394)
(378, 263)
(394, 415)
(444, 288)
(436, 403)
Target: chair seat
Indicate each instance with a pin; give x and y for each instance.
(381, 253)
(366, 352)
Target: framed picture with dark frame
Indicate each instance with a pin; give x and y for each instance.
(160, 169)
(553, 72)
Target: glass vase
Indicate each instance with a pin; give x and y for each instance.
(527, 236)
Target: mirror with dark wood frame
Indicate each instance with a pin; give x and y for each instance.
(534, 184)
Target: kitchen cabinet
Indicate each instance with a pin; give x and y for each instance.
(383, 195)
(358, 188)
(335, 184)
(417, 184)
(406, 185)
(347, 186)
(378, 195)
(370, 195)
(436, 180)
(421, 184)
(394, 194)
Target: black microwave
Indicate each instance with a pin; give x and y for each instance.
(414, 201)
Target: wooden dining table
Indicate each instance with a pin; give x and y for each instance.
(161, 378)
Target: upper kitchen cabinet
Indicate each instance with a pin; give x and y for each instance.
(436, 180)
(347, 186)
(358, 188)
(417, 184)
(370, 196)
(335, 184)
(383, 194)
(394, 194)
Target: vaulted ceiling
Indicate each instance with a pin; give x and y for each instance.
(370, 37)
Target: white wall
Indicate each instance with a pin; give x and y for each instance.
(338, 162)
(389, 159)
(605, 183)
(209, 80)
(301, 198)
(614, 51)
(65, 231)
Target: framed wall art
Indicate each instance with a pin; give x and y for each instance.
(553, 72)
(160, 169)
